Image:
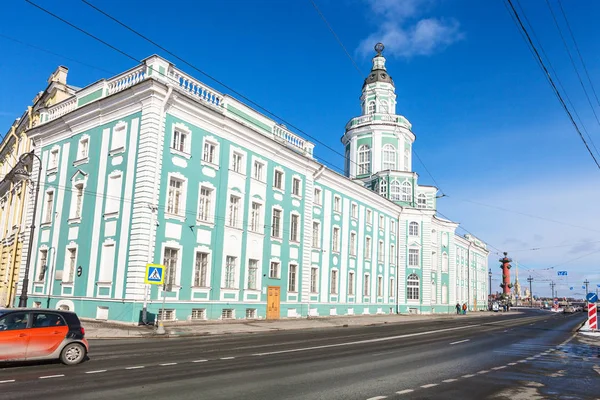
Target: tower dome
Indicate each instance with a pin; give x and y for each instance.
(378, 71)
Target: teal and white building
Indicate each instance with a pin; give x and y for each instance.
(153, 166)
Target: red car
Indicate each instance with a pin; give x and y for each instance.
(39, 334)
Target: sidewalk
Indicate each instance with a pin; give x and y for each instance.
(114, 330)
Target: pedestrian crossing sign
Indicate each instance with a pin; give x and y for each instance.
(154, 274)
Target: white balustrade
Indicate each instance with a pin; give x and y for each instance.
(195, 88)
(62, 108)
(283, 135)
(127, 79)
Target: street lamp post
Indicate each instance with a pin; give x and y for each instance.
(490, 294)
(24, 286)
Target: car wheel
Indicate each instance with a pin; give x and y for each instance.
(72, 354)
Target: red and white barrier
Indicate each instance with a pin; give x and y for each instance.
(592, 316)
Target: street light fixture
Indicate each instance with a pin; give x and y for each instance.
(21, 173)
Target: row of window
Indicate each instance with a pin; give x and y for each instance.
(388, 157)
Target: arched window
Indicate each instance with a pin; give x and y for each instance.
(364, 160)
(383, 107)
(383, 188)
(434, 261)
(371, 109)
(413, 229)
(389, 157)
(407, 192)
(412, 287)
(433, 291)
(421, 201)
(445, 262)
(434, 237)
(406, 158)
(395, 190)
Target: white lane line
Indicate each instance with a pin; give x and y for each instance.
(167, 364)
(227, 358)
(522, 361)
(429, 385)
(377, 398)
(7, 381)
(137, 367)
(405, 391)
(483, 372)
(449, 380)
(198, 361)
(468, 376)
(530, 358)
(383, 339)
(498, 368)
(52, 376)
(96, 372)
(512, 363)
(461, 341)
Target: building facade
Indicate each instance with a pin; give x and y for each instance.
(153, 166)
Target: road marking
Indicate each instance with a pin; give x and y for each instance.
(383, 339)
(167, 364)
(450, 380)
(522, 361)
(460, 341)
(405, 391)
(483, 372)
(377, 398)
(429, 385)
(7, 381)
(197, 361)
(227, 358)
(468, 376)
(512, 363)
(497, 368)
(96, 372)
(138, 367)
(52, 376)
(530, 358)
(537, 356)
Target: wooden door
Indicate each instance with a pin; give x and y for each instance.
(273, 300)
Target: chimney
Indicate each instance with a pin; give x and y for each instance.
(60, 75)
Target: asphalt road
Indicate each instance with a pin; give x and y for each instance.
(525, 356)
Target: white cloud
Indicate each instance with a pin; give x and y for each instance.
(403, 33)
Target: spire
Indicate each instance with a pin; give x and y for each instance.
(378, 71)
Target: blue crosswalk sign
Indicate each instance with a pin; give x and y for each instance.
(562, 273)
(154, 274)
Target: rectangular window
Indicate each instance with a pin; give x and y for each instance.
(392, 254)
(369, 217)
(250, 313)
(198, 313)
(175, 197)
(392, 226)
(354, 211)
(333, 282)
(337, 204)
(118, 137)
(392, 287)
(294, 228)
(314, 274)
(296, 187)
(368, 248)
(170, 260)
(276, 224)
(77, 200)
(274, 270)
(42, 266)
(83, 150)
(351, 283)
(258, 171)
(335, 240)
(230, 263)
(352, 243)
(379, 286)
(201, 269)
(227, 313)
(381, 253)
(278, 180)
(70, 264)
(366, 289)
(107, 263)
(205, 204)
(210, 153)
(113, 194)
(49, 206)
(53, 163)
(180, 141)
(317, 199)
(381, 222)
(252, 274)
(292, 278)
(413, 257)
(316, 240)
(234, 210)
(255, 217)
(237, 162)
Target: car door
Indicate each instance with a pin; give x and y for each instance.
(48, 331)
(14, 335)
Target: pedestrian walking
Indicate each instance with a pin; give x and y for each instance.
(457, 308)
(464, 308)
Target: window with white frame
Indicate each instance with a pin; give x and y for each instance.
(352, 243)
(113, 193)
(381, 222)
(278, 179)
(337, 204)
(180, 141)
(412, 287)
(354, 210)
(314, 279)
(237, 162)
(175, 196)
(205, 204)
(292, 275)
(392, 254)
(295, 228)
(366, 285)
(421, 201)
(392, 226)
(434, 237)
(368, 248)
(444, 262)
(316, 239)
(413, 258)
(434, 261)
(406, 191)
(258, 172)
(170, 260)
(351, 283)
(406, 158)
(252, 274)
(209, 154)
(413, 229)
(276, 224)
(380, 286)
(255, 217)
(395, 190)
(70, 264)
(371, 107)
(364, 160)
(433, 291)
(49, 206)
(42, 264)
(369, 217)
(230, 264)
(53, 162)
(274, 269)
(118, 137)
(383, 107)
(76, 200)
(335, 240)
(381, 253)
(234, 210)
(333, 282)
(389, 157)
(107, 262)
(198, 313)
(296, 187)
(392, 289)
(201, 269)
(83, 148)
(317, 199)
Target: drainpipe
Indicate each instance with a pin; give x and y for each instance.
(469, 275)
(50, 276)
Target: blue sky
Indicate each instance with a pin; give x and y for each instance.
(488, 126)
